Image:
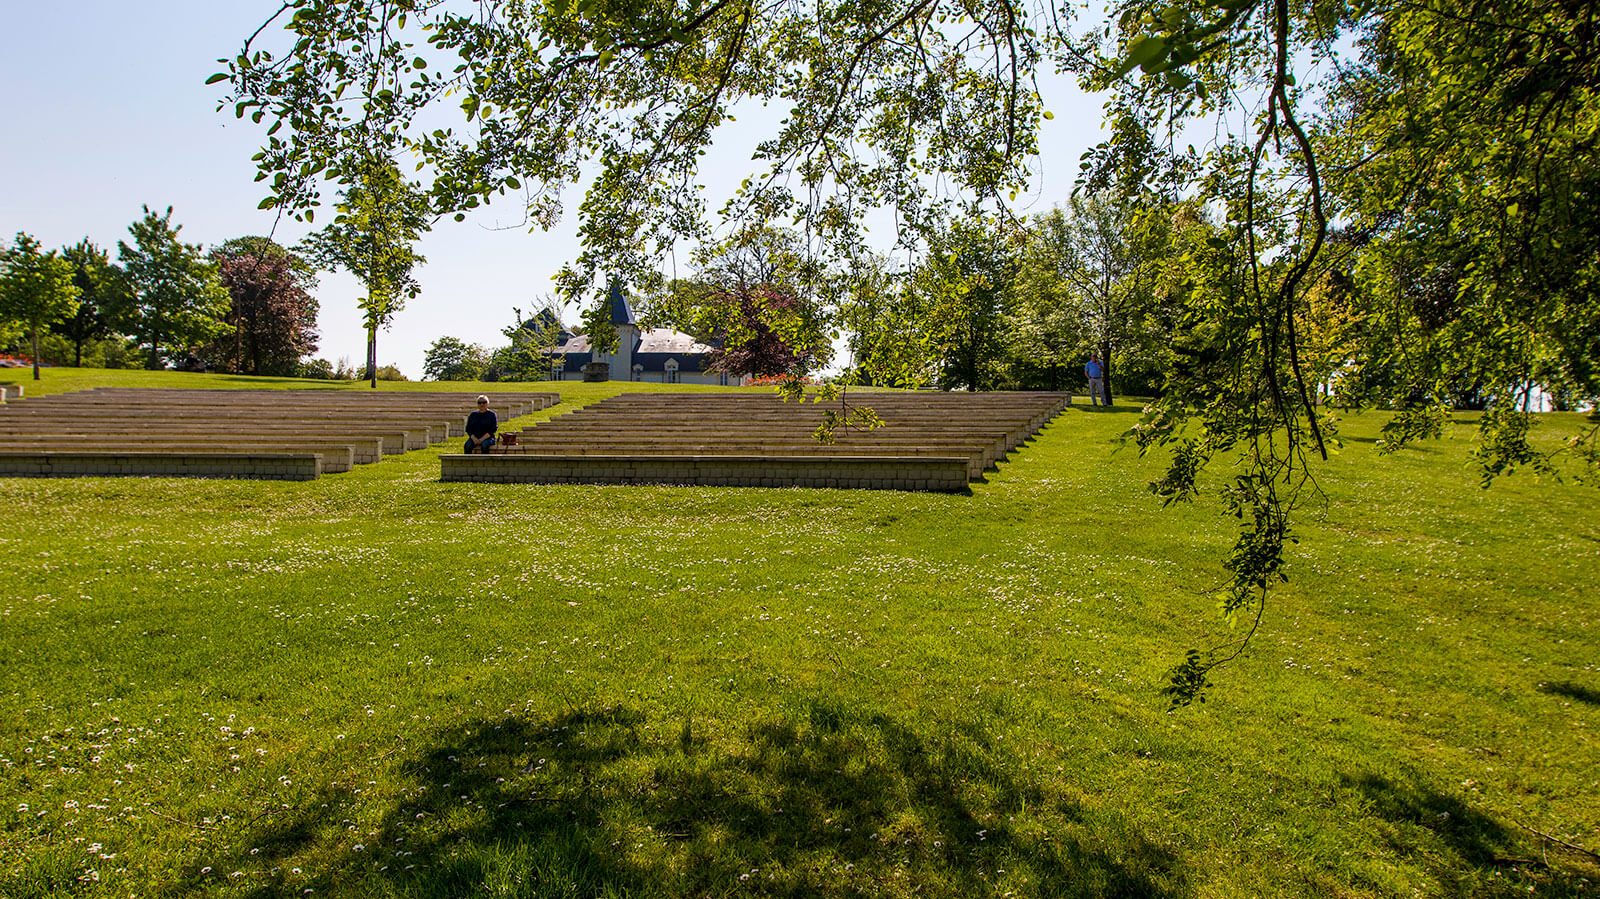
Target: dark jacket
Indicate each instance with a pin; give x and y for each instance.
(480, 423)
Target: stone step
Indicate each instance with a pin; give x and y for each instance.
(336, 458)
(439, 429)
(394, 440)
(941, 474)
(979, 459)
(130, 463)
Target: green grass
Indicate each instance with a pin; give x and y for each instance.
(380, 684)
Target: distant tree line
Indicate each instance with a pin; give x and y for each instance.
(993, 304)
(524, 357)
(244, 307)
(997, 303)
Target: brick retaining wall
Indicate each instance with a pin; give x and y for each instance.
(941, 474)
(267, 466)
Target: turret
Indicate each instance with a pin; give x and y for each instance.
(627, 326)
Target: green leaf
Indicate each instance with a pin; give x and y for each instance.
(268, 203)
(220, 76)
(1144, 50)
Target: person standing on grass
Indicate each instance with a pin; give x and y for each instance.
(481, 428)
(1097, 380)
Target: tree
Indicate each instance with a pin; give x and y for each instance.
(1461, 139)
(35, 289)
(767, 334)
(1477, 234)
(1104, 252)
(1456, 145)
(102, 296)
(881, 320)
(381, 217)
(271, 310)
(878, 94)
(966, 289)
(1045, 332)
(755, 297)
(527, 357)
(176, 300)
(453, 359)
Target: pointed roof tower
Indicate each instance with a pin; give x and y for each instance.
(621, 312)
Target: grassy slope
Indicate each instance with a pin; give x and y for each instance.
(381, 684)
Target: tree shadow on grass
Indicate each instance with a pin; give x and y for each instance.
(601, 803)
(1466, 849)
(1573, 691)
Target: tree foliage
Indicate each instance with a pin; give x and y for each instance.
(373, 237)
(965, 291)
(1455, 146)
(176, 301)
(877, 96)
(36, 288)
(102, 297)
(271, 310)
(1464, 158)
(453, 359)
(879, 317)
(526, 356)
(766, 335)
(1096, 269)
(1452, 146)
(758, 298)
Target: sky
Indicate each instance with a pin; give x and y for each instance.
(106, 111)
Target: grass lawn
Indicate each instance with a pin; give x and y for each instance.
(379, 684)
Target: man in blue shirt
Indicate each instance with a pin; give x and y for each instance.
(1097, 380)
(481, 427)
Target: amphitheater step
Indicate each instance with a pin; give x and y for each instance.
(943, 474)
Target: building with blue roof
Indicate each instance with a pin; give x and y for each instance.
(659, 355)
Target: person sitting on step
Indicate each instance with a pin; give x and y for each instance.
(481, 427)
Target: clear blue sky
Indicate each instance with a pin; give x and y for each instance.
(106, 110)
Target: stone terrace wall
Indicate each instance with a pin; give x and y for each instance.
(928, 442)
(175, 431)
(948, 475)
(271, 466)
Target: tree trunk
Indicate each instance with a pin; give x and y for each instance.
(1105, 371)
(155, 349)
(77, 354)
(34, 333)
(372, 355)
